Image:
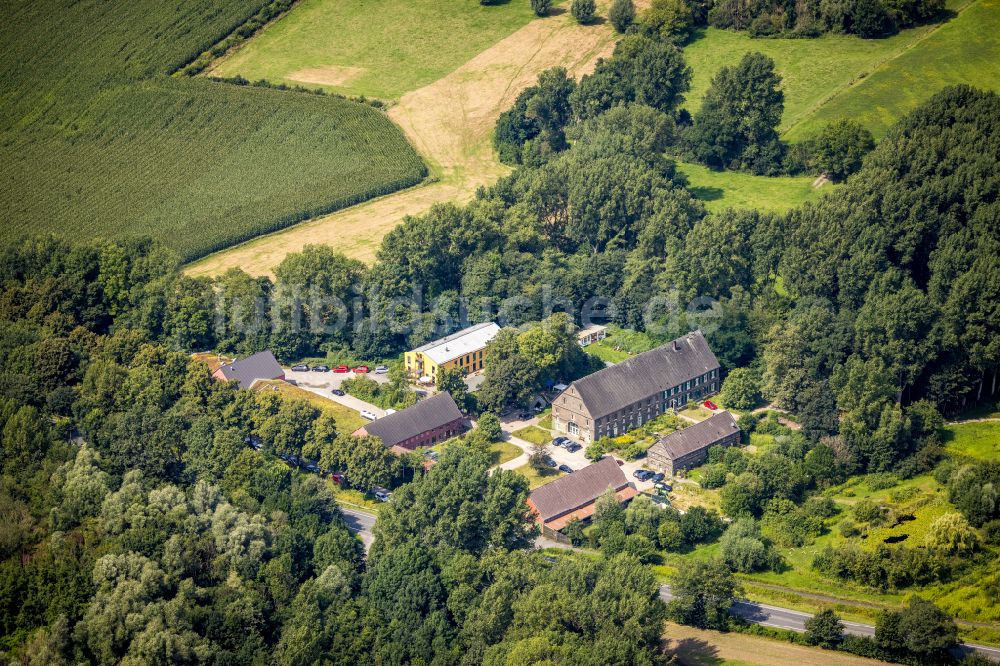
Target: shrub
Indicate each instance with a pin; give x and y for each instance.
(541, 7)
(869, 512)
(824, 629)
(583, 11)
(744, 548)
(713, 476)
(881, 481)
(670, 536)
(741, 389)
(951, 534)
(840, 147)
(621, 14)
(991, 532)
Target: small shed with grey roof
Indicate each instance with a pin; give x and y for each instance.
(428, 422)
(246, 371)
(574, 495)
(688, 448)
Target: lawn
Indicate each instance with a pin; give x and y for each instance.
(974, 440)
(504, 451)
(378, 48)
(966, 49)
(620, 344)
(733, 189)
(536, 479)
(533, 434)
(97, 141)
(872, 80)
(347, 419)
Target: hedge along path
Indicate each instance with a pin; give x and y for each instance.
(450, 123)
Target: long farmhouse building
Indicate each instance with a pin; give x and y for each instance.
(620, 397)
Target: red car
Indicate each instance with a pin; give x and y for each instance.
(337, 478)
(711, 405)
(341, 368)
(362, 369)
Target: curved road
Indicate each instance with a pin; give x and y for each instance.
(362, 522)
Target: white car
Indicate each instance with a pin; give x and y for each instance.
(366, 414)
(382, 496)
(390, 411)
(381, 370)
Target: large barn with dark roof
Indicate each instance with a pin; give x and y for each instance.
(246, 371)
(688, 447)
(428, 422)
(623, 396)
(574, 495)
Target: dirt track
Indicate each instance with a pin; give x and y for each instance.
(450, 123)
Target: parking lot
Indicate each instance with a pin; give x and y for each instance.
(576, 460)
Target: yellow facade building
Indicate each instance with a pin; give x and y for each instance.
(463, 350)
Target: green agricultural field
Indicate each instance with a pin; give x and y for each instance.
(974, 440)
(965, 49)
(377, 48)
(734, 189)
(875, 81)
(97, 141)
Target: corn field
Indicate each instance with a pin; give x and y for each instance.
(96, 141)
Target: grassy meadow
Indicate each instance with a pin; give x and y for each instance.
(874, 81)
(97, 141)
(377, 48)
(735, 189)
(980, 441)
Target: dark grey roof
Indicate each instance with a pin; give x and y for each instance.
(430, 413)
(574, 490)
(261, 365)
(695, 437)
(646, 374)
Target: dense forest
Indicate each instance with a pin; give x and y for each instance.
(139, 526)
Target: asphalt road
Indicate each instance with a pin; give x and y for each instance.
(361, 523)
(785, 618)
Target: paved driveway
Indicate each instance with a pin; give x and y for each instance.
(322, 383)
(575, 460)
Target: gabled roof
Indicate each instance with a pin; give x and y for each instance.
(575, 490)
(458, 344)
(428, 414)
(646, 374)
(261, 365)
(695, 437)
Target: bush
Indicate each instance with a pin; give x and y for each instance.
(840, 147)
(541, 7)
(951, 534)
(824, 629)
(740, 389)
(869, 512)
(991, 532)
(744, 549)
(881, 481)
(713, 476)
(583, 11)
(621, 14)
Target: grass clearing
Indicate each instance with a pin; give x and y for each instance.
(733, 189)
(974, 440)
(535, 478)
(378, 48)
(700, 647)
(533, 434)
(96, 141)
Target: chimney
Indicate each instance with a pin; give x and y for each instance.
(675, 347)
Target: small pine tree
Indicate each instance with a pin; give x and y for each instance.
(541, 7)
(583, 11)
(622, 14)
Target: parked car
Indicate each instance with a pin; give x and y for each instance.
(367, 414)
(642, 474)
(342, 368)
(657, 477)
(381, 370)
(566, 468)
(561, 441)
(390, 411)
(551, 463)
(301, 367)
(382, 495)
(337, 392)
(431, 454)
(321, 368)
(337, 478)
(313, 468)
(661, 488)
(573, 447)
(710, 405)
(362, 369)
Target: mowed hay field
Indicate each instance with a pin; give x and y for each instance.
(875, 81)
(380, 48)
(97, 141)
